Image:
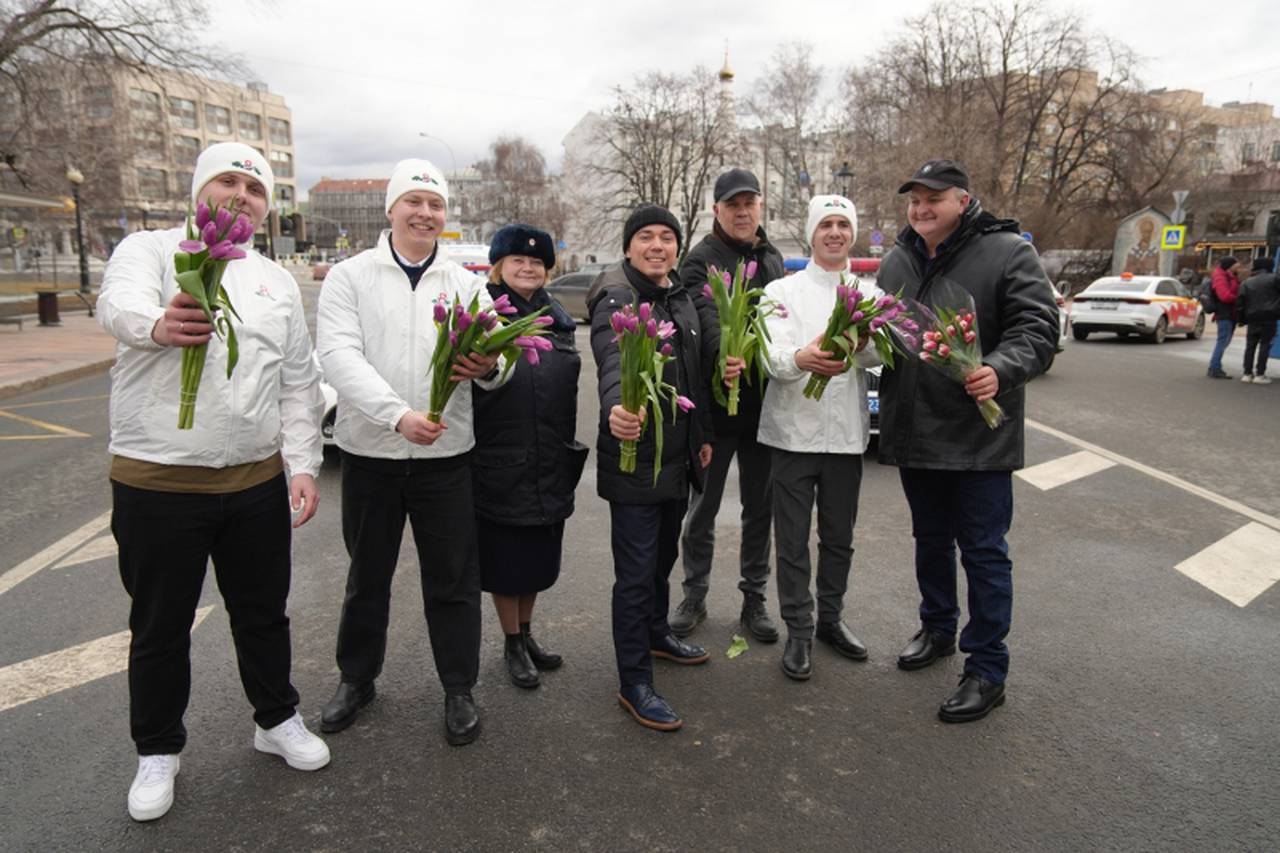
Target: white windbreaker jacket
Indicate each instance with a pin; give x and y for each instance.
(375, 336)
(271, 402)
(839, 422)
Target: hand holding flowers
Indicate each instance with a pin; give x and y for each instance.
(855, 320)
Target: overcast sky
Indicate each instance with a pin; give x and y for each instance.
(364, 79)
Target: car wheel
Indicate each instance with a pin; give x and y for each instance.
(1157, 336)
(1079, 334)
(1198, 332)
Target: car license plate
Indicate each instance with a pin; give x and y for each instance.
(873, 405)
(1103, 306)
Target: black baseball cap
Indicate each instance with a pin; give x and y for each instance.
(938, 175)
(736, 181)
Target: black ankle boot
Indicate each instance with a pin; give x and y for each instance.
(519, 667)
(541, 658)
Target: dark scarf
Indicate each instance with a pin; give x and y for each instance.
(415, 273)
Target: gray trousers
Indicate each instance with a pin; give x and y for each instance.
(697, 544)
(835, 479)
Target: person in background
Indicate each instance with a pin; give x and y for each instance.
(736, 237)
(181, 498)
(527, 462)
(1226, 288)
(1258, 309)
(376, 336)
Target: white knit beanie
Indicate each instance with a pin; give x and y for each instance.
(410, 175)
(822, 206)
(231, 157)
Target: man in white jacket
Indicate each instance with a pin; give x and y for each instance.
(817, 445)
(376, 335)
(221, 489)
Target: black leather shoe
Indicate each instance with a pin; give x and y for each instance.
(838, 636)
(755, 619)
(669, 648)
(925, 648)
(795, 659)
(649, 709)
(342, 710)
(541, 658)
(974, 699)
(461, 719)
(687, 617)
(519, 667)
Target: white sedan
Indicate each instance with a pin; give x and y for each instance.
(1148, 305)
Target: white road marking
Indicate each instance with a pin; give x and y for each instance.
(53, 553)
(1063, 470)
(53, 430)
(97, 549)
(1238, 567)
(1191, 488)
(29, 680)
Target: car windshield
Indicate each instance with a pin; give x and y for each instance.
(1117, 284)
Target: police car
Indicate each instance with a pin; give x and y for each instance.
(1148, 305)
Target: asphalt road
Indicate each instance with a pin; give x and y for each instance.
(1141, 713)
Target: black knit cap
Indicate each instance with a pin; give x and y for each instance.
(649, 214)
(1263, 264)
(524, 240)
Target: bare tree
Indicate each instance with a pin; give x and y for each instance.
(514, 185)
(661, 142)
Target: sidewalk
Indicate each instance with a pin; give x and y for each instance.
(37, 356)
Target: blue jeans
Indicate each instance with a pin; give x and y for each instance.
(645, 540)
(971, 509)
(1226, 328)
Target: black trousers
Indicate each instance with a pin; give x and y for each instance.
(1258, 338)
(165, 542)
(645, 540)
(435, 495)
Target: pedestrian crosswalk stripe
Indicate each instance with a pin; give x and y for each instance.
(29, 680)
(1239, 567)
(56, 551)
(1066, 469)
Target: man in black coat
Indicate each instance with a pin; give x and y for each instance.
(645, 517)
(956, 472)
(736, 237)
(1258, 309)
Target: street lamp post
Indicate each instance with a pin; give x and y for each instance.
(449, 147)
(76, 177)
(845, 176)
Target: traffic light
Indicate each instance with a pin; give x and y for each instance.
(286, 226)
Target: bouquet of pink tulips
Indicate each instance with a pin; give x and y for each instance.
(853, 316)
(742, 313)
(464, 330)
(645, 349)
(949, 340)
(212, 238)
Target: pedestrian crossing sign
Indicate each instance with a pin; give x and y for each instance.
(1173, 236)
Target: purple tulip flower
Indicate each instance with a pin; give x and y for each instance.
(651, 328)
(192, 246)
(666, 329)
(225, 251)
(202, 215)
(531, 355)
(464, 321)
(617, 322)
(209, 234)
(708, 292)
(666, 349)
(752, 266)
(222, 219)
(440, 313)
(857, 316)
(503, 305)
(544, 320)
(644, 312)
(684, 403)
(453, 338)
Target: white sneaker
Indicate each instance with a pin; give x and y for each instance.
(151, 793)
(1248, 377)
(1262, 379)
(291, 741)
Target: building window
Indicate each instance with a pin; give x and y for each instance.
(1275, 152)
(182, 113)
(284, 195)
(250, 125)
(98, 102)
(153, 183)
(279, 129)
(186, 149)
(282, 164)
(148, 143)
(1250, 152)
(144, 104)
(217, 119)
(182, 184)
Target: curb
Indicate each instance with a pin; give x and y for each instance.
(78, 372)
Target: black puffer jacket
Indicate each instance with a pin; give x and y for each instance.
(695, 345)
(1259, 299)
(526, 463)
(926, 418)
(722, 251)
